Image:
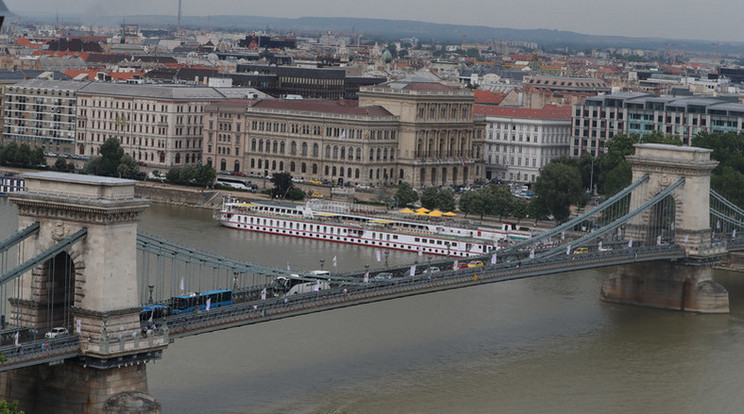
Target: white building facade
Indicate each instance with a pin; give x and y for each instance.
(520, 141)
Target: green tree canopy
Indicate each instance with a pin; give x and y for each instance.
(282, 183)
(557, 187)
(436, 198)
(405, 195)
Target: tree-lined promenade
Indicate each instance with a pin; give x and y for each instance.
(563, 183)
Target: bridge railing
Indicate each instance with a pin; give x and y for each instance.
(280, 307)
(125, 343)
(40, 349)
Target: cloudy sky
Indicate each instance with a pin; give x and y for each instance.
(718, 20)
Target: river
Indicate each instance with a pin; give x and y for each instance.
(542, 345)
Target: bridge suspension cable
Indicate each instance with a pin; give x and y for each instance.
(618, 222)
(43, 256)
(573, 222)
(20, 236)
(156, 245)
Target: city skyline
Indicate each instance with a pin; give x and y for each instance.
(716, 20)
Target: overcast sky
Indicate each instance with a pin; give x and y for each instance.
(719, 20)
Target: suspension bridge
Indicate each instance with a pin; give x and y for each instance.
(79, 262)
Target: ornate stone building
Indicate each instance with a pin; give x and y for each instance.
(419, 132)
(440, 140)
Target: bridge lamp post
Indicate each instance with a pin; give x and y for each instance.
(322, 262)
(387, 253)
(150, 288)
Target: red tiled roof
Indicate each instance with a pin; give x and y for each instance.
(487, 97)
(27, 43)
(547, 112)
(315, 105)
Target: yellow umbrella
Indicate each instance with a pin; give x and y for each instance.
(449, 214)
(406, 210)
(435, 213)
(420, 213)
(423, 210)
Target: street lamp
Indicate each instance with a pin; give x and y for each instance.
(322, 262)
(150, 288)
(387, 253)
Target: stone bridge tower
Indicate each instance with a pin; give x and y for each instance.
(685, 220)
(92, 289)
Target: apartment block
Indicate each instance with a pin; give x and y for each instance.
(601, 117)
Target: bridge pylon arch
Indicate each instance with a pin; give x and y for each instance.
(90, 288)
(683, 218)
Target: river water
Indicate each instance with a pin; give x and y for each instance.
(542, 345)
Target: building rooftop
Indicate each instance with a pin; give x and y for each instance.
(341, 107)
(547, 112)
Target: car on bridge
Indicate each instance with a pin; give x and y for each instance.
(432, 269)
(56, 332)
(475, 263)
(461, 265)
(581, 250)
(384, 276)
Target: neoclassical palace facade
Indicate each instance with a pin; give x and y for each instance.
(412, 131)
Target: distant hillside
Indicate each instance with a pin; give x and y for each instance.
(395, 29)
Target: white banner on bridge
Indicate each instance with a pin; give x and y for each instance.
(181, 286)
(493, 259)
(379, 259)
(568, 249)
(687, 238)
(413, 270)
(263, 294)
(599, 245)
(366, 277)
(209, 303)
(658, 240)
(630, 243)
(532, 253)
(454, 265)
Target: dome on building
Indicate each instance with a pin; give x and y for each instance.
(387, 57)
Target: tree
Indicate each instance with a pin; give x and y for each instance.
(501, 201)
(205, 175)
(435, 198)
(107, 163)
(405, 195)
(127, 167)
(429, 198)
(38, 158)
(557, 187)
(282, 183)
(60, 165)
(468, 203)
(519, 209)
(9, 408)
(729, 184)
(446, 200)
(111, 154)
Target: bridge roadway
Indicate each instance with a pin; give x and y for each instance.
(353, 293)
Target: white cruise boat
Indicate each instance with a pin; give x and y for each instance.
(346, 223)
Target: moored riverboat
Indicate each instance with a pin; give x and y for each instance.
(348, 223)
